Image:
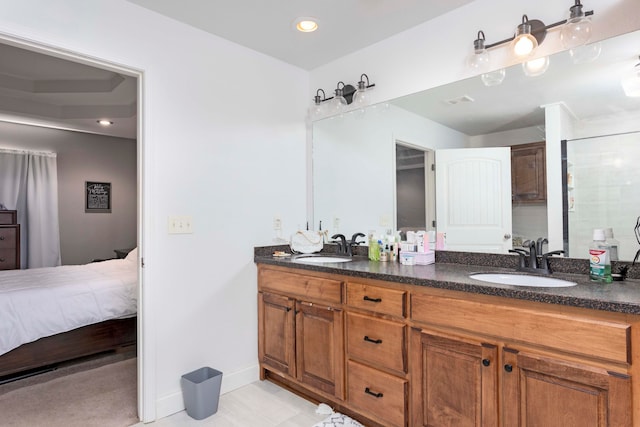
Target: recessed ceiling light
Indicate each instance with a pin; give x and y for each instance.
(104, 122)
(306, 24)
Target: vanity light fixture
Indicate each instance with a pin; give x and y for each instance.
(345, 95)
(104, 122)
(631, 82)
(576, 31)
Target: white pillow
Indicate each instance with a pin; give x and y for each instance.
(132, 256)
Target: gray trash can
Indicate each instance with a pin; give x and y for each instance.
(201, 392)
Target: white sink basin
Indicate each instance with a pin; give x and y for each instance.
(321, 259)
(522, 280)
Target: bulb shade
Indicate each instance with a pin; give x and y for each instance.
(337, 105)
(576, 32)
(535, 67)
(317, 110)
(585, 54)
(631, 82)
(478, 61)
(360, 98)
(524, 45)
(493, 78)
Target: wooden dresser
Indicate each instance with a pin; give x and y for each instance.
(9, 240)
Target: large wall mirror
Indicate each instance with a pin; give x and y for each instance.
(577, 108)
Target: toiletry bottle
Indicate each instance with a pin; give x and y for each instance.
(374, 249)
(599, 258)
(613, 243)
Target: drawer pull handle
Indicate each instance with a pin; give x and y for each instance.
(287, 309)
(508, 368)
(2, 260)
(486, 362)
(378, 341)
(366, 298)
(376, 395)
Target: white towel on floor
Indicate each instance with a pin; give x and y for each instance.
(338, 419)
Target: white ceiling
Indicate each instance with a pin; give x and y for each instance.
(267, 26)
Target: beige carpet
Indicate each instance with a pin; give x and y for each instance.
(103, 396)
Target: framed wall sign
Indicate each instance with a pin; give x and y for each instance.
(97, 196)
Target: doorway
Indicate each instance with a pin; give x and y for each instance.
(144, 403)
(415, 188)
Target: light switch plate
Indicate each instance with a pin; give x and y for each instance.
(180, 224)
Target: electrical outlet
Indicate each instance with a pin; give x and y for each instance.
(277, 223)
(180, 224)
(336, 223)
(385, 221)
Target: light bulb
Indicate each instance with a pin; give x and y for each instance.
(360, 99)
(493, 78)
(535, 67)
(577, 30)
(479, 60)
(524, 45)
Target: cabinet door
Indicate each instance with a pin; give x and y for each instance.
(453, 381)
(320, 347)
(528, 172)
(541, 391)
(276, 332)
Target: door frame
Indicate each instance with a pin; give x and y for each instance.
(145, 347)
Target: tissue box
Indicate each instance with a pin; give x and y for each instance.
(417, 258)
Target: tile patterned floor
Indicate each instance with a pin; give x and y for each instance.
(259, 404)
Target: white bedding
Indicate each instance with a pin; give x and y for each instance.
(40, 302)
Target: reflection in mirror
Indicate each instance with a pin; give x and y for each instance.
(354, 154)
(415, 188)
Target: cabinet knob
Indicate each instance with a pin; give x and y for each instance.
(1, 237)
(378, 341)
(366, 298)
(486, 362)
(377, 395)
(508, 367)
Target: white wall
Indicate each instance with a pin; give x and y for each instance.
(220, 138)
(86, 157)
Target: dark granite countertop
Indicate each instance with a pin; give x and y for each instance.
(623, 297)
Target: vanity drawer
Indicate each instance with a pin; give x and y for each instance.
(577, 333)
(379, 395)
(303, 286)
(377, 341)
(8, 236)
(8, 217)
(376, 298)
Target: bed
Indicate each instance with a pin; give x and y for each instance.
(50, 315)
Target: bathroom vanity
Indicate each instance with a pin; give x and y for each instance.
(394, 345)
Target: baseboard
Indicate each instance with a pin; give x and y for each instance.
(172, 403)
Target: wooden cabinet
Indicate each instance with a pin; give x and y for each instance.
(454, 381)
(540, 367)
(377, 352)
(528, 172)
(9, 241)
(550, 392)
(397, 355)
(300, 331)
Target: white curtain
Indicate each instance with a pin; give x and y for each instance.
(29, 184)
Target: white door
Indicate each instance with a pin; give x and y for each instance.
(473, 199)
